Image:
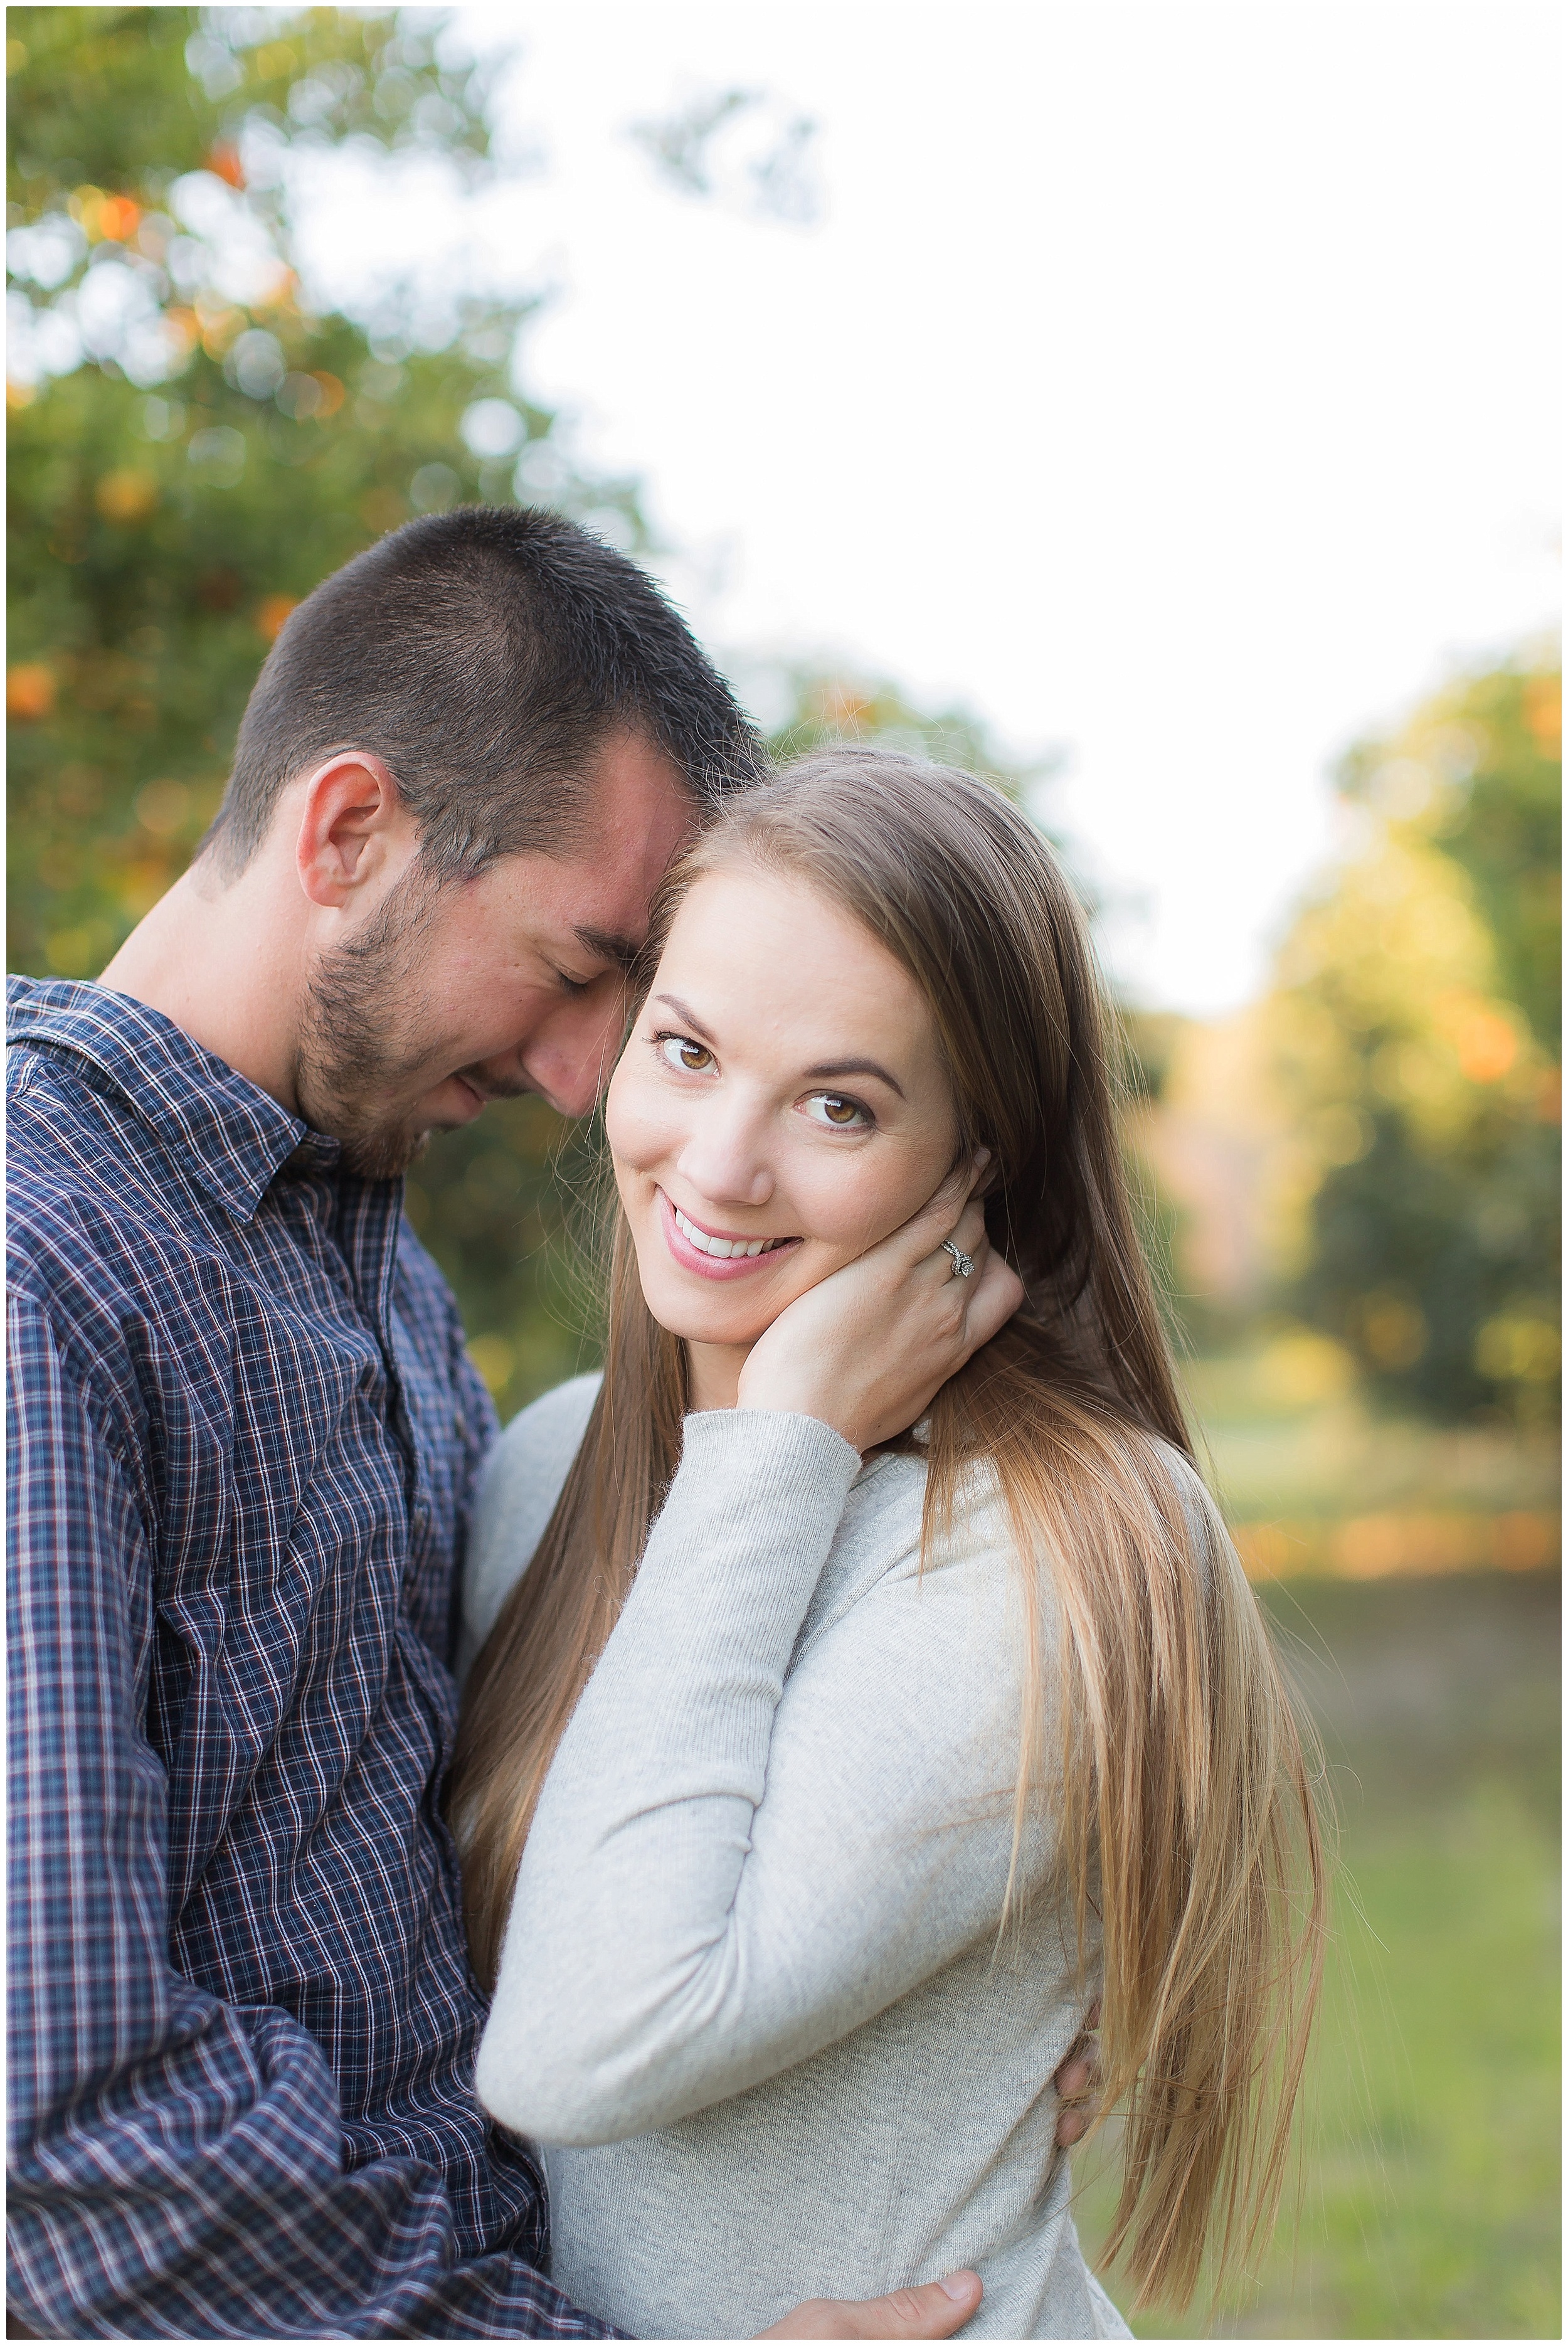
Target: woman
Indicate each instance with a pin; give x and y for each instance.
(834, 1790)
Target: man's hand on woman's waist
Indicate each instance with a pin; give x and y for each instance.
(936, 2310)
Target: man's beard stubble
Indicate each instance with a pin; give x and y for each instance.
(364, 1036)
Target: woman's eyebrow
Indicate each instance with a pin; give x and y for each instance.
(855, 1068)
(687, 1017)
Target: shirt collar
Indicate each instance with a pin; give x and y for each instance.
(231, 1134)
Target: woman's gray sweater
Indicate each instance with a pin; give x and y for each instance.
(753, 2002)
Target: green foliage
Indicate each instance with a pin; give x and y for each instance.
(162, 528)
(1480, 769)
(1418, 1035)
(507, 1208)
(825, 707)
(162, 531)
(124, 99)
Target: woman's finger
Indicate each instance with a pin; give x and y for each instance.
(939, 1218)
(968, 1232)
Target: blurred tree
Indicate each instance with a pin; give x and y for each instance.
(193, 447)
(821, 705)
(1417, 1034)
(1152, 1043)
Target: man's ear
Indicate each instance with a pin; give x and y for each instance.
(355, 828)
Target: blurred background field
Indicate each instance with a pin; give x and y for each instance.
(1409, 1568)
(1350, 1181)
(1425, 2201)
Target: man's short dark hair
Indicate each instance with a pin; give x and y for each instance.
(484, 655)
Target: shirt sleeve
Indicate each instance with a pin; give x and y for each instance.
(176, 2164)
(735, 1863)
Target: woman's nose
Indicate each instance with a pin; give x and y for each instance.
(725, 1158)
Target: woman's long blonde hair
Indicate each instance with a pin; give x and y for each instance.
(1189, 1826)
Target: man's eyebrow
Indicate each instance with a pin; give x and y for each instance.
(621, 953)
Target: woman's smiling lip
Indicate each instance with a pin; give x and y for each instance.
(714, 1266)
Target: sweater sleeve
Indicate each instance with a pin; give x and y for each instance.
(733, 1865)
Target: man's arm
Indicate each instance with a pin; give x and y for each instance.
(176, 2164)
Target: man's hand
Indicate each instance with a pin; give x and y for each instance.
(1077, 2083)
(934, 2311)
(867, 1349)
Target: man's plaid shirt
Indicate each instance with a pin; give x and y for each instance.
(244, 1438)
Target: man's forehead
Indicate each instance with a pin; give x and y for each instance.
(593, 891)
(583, 899)
(640, 813)
(575, 897)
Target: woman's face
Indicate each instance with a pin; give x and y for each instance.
(780, 1107)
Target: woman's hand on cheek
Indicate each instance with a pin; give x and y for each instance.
(868, 1350)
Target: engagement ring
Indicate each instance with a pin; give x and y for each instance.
(962, 1264)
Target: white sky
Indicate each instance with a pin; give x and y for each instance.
(1177, 384)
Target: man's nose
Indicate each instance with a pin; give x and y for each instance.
(568, 1059)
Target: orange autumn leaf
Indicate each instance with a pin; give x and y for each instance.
(30, 692)
(270, 613)
(126, 496)
(117, 218)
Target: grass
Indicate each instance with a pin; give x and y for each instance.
(1428, 2196)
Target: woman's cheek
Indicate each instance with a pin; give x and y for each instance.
(856, 1202)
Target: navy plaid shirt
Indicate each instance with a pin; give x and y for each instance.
(244, 1439)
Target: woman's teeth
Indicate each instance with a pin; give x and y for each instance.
(705, 1245)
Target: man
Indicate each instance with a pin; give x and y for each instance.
(245, 1441)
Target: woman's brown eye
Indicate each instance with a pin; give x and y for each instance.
(680, 1051)
(832, 1107)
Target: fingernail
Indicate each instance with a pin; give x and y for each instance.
(958, 2286)
(981, 1159)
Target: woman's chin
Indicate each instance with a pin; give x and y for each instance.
(698, 1327)
(710, 1318)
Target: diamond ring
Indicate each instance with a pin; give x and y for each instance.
(962, 1264)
